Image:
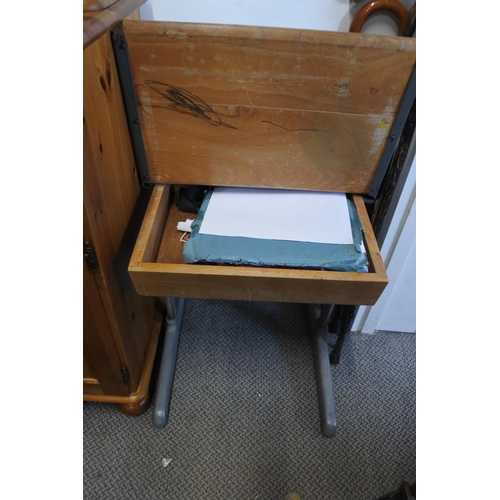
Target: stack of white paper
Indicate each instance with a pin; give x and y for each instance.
(276, 214)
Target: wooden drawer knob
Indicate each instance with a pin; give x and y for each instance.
(391, 5)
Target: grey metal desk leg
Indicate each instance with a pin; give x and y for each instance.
(168, 360)
(318, 322)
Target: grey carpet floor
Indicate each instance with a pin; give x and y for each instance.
(244, 418)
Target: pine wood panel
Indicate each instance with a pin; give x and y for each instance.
(99, 16)
(266, 107)
(93, 392)
(151, 277)
(111, 190)
(99, 349)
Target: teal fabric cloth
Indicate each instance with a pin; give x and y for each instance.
(237, 250)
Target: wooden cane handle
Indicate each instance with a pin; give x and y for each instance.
(391, 5)
(93, 5)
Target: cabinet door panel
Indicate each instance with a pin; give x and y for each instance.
(111, 191)
(102, 368)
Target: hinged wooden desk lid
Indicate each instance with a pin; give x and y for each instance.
(260, 107)
(266, 107)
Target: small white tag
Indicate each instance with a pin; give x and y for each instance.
(185, 226)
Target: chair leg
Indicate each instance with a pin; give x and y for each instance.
(318, 323)
(168, 359)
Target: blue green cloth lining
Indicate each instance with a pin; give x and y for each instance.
(236, 250)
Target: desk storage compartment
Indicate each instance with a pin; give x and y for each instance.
(157, 267)
(244, 106)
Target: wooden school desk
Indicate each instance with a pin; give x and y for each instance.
(221, 105)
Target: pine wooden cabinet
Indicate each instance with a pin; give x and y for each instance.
(120, 328)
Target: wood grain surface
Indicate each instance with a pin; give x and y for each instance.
(99, 16)
(111, 191)
(266, 107)
(163, 275)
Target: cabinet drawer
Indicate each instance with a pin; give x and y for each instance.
(158, 269)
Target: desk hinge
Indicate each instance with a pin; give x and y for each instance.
(89, 254)
(125, 375)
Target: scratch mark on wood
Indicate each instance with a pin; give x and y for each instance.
(293, 129)
(248, 97)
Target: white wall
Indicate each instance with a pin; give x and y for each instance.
(395, 310)
(329, 15)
